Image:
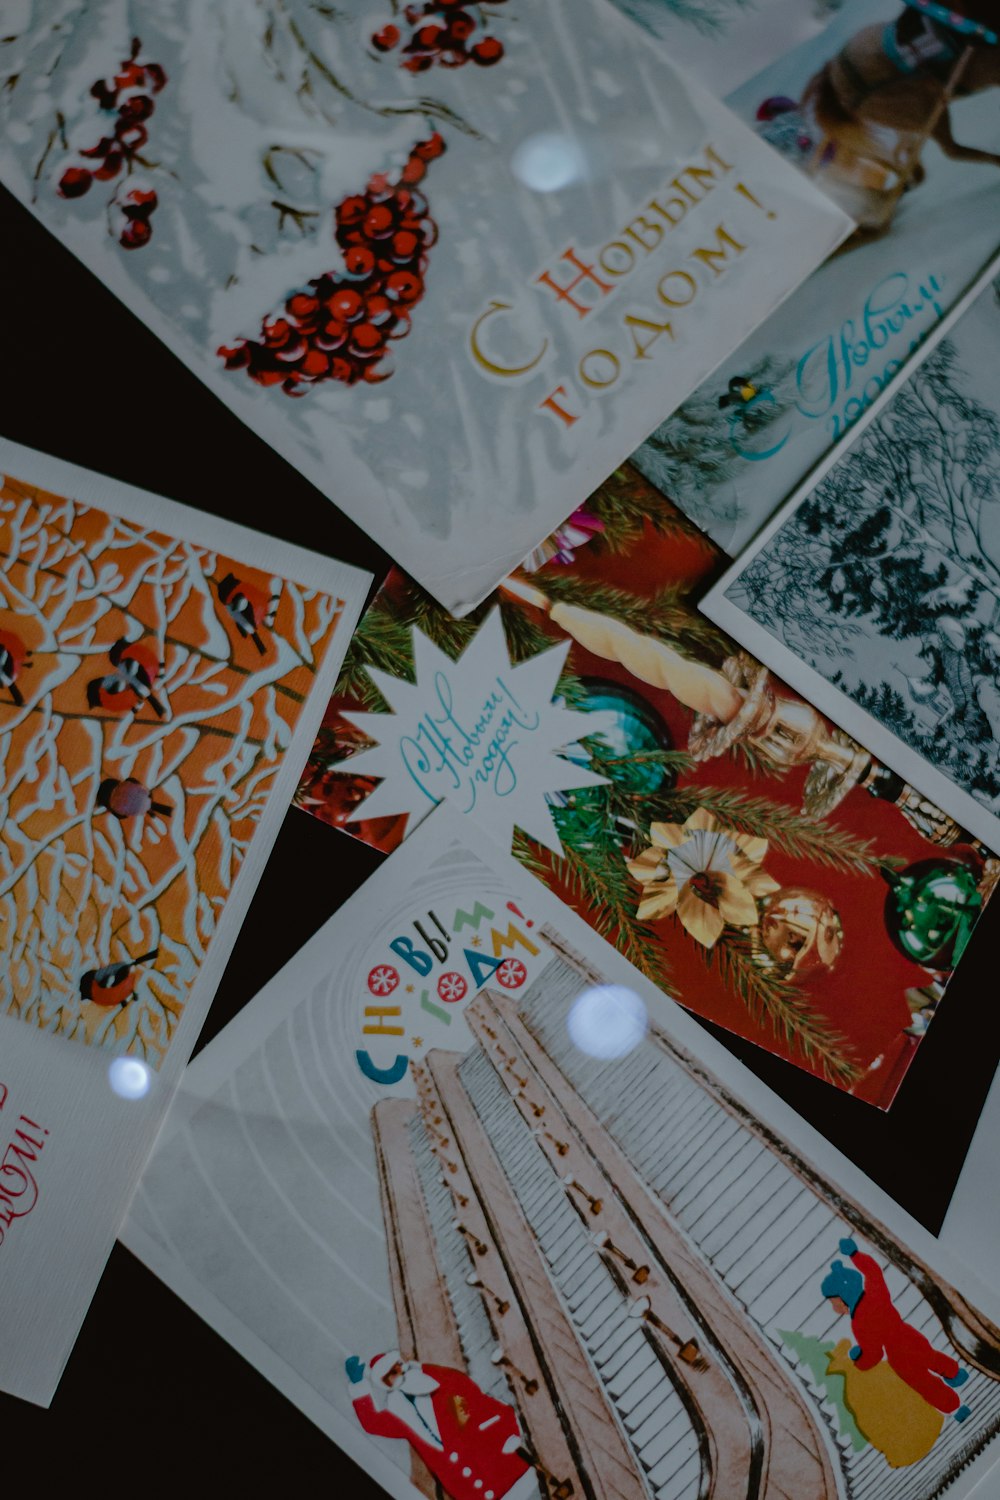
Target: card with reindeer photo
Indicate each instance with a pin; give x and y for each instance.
(891, 109)
(506, 1224)
(453, 261)
(876, 590)
(754, 862)
(162, 675)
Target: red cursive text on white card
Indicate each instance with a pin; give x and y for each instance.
(18, 1187)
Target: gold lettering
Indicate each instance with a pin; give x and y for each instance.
(641, 347)
(709, 257)
(686, 279)
(509, 371)
(592, 380)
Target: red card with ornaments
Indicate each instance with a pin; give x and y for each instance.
(750, 858)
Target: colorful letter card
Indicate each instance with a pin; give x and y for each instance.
(752, 861)
(454, 262)
(507, 1225)
(162, 674)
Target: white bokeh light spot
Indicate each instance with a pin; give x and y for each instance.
(607, 1021)
(129, 1078)
(548, 161)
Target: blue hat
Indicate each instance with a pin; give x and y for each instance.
(844, 1282)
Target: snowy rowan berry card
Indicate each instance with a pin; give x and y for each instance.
(454, 261)
(162, 674)
(892, 110)
(756, 864)
(534, 1235)
(877, 588)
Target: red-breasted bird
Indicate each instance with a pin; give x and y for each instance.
(130, 799)
(13, 660)
(130, 684)
(114, 984)
(247, 606)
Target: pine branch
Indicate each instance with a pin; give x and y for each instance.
(626, 501)
(600, 886)
(667, 616)
(757, 762)
(677, 761)
(782, 1004)
(797, 834)
(384, 640)
(380, 641)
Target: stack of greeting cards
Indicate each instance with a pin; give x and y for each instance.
(741, 851)
(520, 294)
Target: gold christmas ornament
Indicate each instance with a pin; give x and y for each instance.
(703, 873)
(801, 932)
(787, 731)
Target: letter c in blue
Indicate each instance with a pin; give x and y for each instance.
(382, 1075)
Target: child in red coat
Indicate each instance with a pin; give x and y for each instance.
(881, 1333)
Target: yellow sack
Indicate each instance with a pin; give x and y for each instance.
(888, 1412)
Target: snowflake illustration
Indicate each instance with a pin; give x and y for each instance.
(452, 987)
(383, 979)
(512, 974)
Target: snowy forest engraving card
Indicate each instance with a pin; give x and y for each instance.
(755, 863)
(454, 262)
(542, 1237)
(878, 591)
(161, 677)
(910, 156)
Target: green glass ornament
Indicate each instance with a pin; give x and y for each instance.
(637, 728)
(581, 815)
(931, 909)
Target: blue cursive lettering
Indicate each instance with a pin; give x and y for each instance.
(452, 754)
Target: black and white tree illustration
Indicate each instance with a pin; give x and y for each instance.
(887, 578)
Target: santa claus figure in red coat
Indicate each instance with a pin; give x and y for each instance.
(471, 1442)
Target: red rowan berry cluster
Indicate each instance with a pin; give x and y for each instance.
(440, 32)
(129, 96)
(339, 328)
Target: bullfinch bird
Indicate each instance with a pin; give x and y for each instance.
(115, 983)
(13, 659)
(130, 684)
(130, 799)
(247, 606)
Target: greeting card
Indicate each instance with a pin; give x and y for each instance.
(891, 109)
(162, 674)
(537, 1236)
(752, 861)
(454, 262)
(878, 587)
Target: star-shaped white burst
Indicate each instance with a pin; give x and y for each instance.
(479, 733)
